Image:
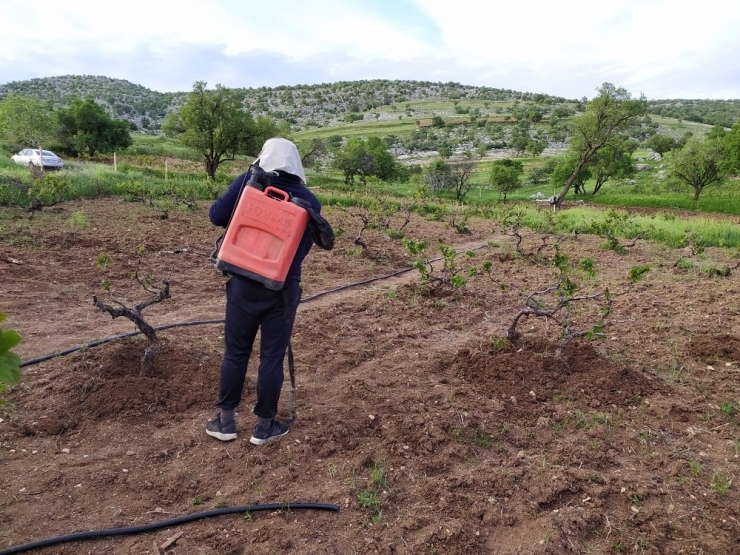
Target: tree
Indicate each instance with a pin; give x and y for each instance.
(614, 160)
(536, 145)
(314, 151)
(216, 125)
(441, 175)
(520, 137)
(438, 175)
(563, 171)
(698, 164)
(86, 127)
(363, 158)
(731, 146)
(461, 172)
(444, 151)
(541, 173)
(662, 143)
(610, 113)
(26, 121)
(505, 176)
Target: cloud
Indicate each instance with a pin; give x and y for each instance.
(664, 48)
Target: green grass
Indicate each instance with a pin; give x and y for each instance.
(381, 128)
(711, 224)
(159, 145)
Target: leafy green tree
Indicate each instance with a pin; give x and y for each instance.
(716, 132)
(698, 164)
(541, 173)
(313, 151)
(505, 176)
(662, 143)
(563, 171)
(613, 161)
(26, 121)
(536, 145)
(86, 127)
(364, 158)
(444, 151)
(437, 121)
(612, 112)
(215, 124)
(731, 146)
(520, 137)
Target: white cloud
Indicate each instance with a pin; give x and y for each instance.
(664, 48)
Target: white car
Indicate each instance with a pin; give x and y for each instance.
(38, 158)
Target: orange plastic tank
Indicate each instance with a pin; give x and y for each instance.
(263, 236)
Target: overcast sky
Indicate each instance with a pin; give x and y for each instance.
(660, 48)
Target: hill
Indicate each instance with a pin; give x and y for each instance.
(328, 104)
(389, 107)
(301, 105)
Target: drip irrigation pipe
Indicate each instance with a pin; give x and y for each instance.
(219, 321)
(166, 524)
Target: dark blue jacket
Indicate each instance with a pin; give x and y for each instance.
(223, 207)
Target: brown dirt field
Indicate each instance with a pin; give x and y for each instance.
(430, 433)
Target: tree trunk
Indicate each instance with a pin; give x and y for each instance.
(571, 179)
(211, 167)
(598, 185)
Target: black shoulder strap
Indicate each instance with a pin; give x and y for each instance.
(323, 234)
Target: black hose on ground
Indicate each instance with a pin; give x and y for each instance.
(194, 323)
(221, 321)
(166, 524)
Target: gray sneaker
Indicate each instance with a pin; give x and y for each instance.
(262, 435)
(224, 432)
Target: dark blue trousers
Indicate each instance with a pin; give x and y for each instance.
(250, 306)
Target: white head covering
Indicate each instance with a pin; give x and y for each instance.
(281, 154)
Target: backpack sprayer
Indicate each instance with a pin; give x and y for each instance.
(262, 238)
(263, 233)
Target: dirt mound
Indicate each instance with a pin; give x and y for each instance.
(532, 374)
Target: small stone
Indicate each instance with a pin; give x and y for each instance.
(130, 453)
(65, 450)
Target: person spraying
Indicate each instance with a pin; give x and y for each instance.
(253, 304)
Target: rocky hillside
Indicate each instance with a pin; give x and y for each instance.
(323, 105)
(122, 100)
(301, 105)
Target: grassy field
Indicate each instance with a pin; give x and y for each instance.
(159, 171)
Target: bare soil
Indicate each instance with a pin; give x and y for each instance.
(431, 433)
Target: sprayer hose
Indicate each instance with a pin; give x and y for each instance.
(167, 523)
